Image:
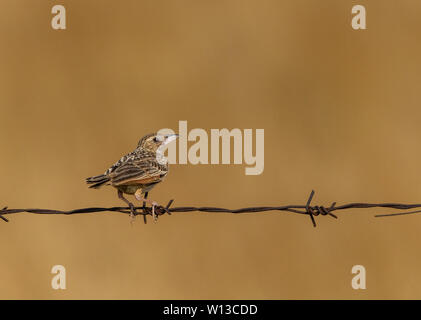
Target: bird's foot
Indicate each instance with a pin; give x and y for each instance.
(154, 216)
(153, 205)
(131, 206)
(132, 213)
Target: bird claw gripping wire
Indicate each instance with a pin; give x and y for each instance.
(156, 211)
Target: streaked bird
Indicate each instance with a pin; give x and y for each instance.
(139, 171)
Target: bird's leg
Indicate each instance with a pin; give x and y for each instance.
(153, 204)
(132, 208)
(144, 204)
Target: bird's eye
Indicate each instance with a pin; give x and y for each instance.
(155, 139)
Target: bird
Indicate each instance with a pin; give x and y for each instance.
(139, 171)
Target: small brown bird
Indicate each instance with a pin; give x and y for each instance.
(139, 171)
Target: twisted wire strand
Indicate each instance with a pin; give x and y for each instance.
(307, 209)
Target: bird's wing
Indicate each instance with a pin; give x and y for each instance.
(140, 170)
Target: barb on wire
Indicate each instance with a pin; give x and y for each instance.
(307, 209)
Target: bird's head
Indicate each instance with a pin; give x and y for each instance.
(154, 141)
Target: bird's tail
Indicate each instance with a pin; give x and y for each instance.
(97, 181)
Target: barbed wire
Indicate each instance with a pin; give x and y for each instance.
(311, 210)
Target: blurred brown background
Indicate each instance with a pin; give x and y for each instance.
(340, 109)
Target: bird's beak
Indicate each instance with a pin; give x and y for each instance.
(171, 137)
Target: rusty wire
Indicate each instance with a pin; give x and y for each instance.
(311, 210)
